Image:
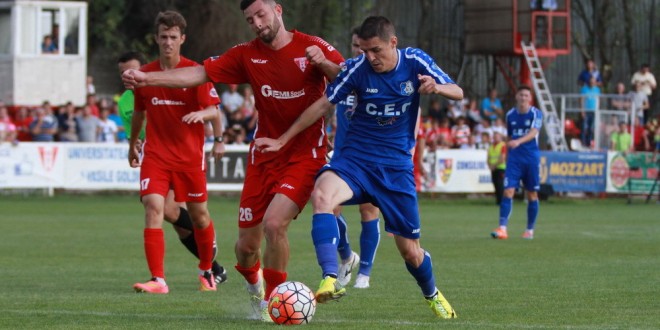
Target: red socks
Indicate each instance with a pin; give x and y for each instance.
(154, 250)
(273, 278)
(205, 238)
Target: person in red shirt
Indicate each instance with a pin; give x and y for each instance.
(287, 70)
(172, 155)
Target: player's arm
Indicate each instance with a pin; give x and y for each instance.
(207, 114)
(533, 132)
(134, 143)
(177, 78)
(218, 141)
(316, 57)
(430, 86)
(306, 119)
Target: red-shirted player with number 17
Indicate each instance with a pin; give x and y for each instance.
(173, 154)
(287, 70)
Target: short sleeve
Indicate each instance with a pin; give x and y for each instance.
(227, 68)
(207, 95)
(426, 66)
(344, 84)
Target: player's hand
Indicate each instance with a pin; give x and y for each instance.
(134, 78)
(218, 150)
(427, 85)
(193, 117)
(512, 144)
(268, 145)
(315, 55)
(134, 155)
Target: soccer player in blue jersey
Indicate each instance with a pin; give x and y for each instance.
(375, 164)
(523, 124)
(370, 234)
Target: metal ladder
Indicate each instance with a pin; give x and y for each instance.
(551, 121)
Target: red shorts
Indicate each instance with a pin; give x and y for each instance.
(295, 180)
(187, 186)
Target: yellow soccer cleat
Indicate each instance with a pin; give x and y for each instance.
(440, 306)
(329, 289)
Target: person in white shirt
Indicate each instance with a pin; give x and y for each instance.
(107, 129)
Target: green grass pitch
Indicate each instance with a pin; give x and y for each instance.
(69, 262)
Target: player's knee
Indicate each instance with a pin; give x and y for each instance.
(508, 193)
(368, 212)
(413, 257)
(246, 246)
(321, 201)
(274, 229)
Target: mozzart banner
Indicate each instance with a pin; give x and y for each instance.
(93, 166)
(574, 171)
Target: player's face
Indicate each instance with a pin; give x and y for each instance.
(169, 40)
(524, 99)
(355, 46)
(381, 54)
(130, 64)
(264, 19)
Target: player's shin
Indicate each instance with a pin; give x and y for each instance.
(532, 213)
(505, 210)
(325, 235)
(424, 275)
(369, 240)
(344, 246)
(205, 242)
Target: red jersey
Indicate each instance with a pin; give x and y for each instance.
(170, 142)
(284, 85)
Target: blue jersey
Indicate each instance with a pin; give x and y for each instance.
(382, 125)
(343, 114)
(518, 125)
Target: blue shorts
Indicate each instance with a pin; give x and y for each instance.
(528, 172)
(392, 189)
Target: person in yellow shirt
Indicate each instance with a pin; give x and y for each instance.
(621, 140)
(497, 164)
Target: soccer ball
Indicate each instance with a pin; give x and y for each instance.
(291, 303)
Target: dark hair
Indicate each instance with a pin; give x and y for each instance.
(524, 87)
(355, 31)
(248, 3)
(645, 65)
(376, 26)
(171, 19)
(132, 55)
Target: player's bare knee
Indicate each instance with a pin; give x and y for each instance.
(274, 229)
(321, 201)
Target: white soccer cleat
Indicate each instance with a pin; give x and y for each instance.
(346, 268)
(256, 292)
(361, 282)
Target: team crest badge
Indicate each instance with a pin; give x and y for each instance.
(301, 62)
(444, 168)
(407, 88)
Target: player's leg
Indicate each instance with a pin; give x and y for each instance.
(419, 265)
(349, 259)
(190, 187)
(512, 176)
(329, 191)
(369, 240)
(532, 183)
(154, 185)
(178, 216)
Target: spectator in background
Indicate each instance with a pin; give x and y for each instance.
(106, 131)
(641, 141)
(498, 127)
(436, 112)
(491, 106)
(473, 113)
(47, 46)
(590, 95)
(460, 133)
(7, 128)
(497, 165)
(43, 127)
(640, 102)
(232, 100)
(93, 106)
(471, 143)
(591, 71)
(114, 116)
(91, 89)
(621, 100)
(456, 109)
(483, 140)
(22, 121)
(88, 124)
(620, 140)
(68, 123)
(645, 81)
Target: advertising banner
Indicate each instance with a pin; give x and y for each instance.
(31, 165)
(457, 171)
(631, 172)
(574, 171)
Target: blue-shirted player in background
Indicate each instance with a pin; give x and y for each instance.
(523, 124)
(375, 164)
(370, 234)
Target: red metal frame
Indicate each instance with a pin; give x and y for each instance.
(548, 50)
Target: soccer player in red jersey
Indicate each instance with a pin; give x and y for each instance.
(172, 155)
(287, 70)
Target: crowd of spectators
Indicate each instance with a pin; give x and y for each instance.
(98, 120)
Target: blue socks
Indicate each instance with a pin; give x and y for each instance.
(369, 239)
(424, 275)
(532, 213)
(344, 246)
(505, 210)
(325, 235)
